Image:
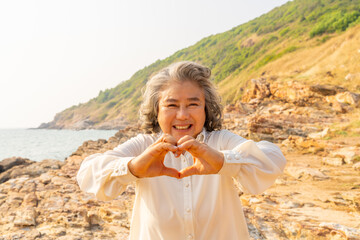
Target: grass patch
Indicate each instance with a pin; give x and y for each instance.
(323, 39)
(341, 133)
(103, 116)
(356, 159)
(349, 129)
(273, 56)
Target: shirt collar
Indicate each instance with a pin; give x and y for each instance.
(202, 135)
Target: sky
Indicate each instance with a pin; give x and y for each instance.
(58, 53)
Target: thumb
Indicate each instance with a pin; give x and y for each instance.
(192, 170)
(171, 172)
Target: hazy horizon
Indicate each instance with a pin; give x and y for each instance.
(58, 54)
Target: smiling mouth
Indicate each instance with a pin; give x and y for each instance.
(183, 127)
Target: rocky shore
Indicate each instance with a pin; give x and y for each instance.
(318, 196)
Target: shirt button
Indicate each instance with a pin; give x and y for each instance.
(229, 157)
(188, 210)
(123, 168)
(187, 185)
(190, 236)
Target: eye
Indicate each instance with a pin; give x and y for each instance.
(172, 105)
(194, 104)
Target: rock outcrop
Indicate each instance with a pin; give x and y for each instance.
(318, 196)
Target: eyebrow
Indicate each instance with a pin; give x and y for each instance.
(192, 99)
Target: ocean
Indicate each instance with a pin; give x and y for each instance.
(39, 144)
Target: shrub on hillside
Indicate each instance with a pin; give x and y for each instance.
(337, 21)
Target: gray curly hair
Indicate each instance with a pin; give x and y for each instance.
(180, 72)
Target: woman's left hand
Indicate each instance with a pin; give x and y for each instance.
(206, 159)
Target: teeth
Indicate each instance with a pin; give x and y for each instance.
(182, 127)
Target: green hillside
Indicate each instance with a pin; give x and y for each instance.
(234, 56)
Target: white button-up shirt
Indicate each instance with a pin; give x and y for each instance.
(201, 207)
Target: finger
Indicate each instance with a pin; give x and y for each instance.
(192, 170)
(178, 153)
(184, 139)
(167, 147)
(171, 172)
(169, 139)
(160, 149)
(160, 139)
(187, 145)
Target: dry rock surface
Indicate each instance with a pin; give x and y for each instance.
(318, 196)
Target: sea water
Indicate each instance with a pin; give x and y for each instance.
(39, 144)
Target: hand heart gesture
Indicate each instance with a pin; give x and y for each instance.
(151, 162)
(206, 159)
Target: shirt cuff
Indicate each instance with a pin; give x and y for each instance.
(232, 161)
(122, 170)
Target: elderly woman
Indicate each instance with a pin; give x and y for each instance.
(185, 169)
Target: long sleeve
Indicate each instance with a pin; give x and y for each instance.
(106, 175)
(254, 165)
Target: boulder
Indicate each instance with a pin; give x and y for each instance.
(318, 135)
(308, 145)
(306, 173)
(90, 147)
(25, 217)
(263, 124)
(352, 76)
(340, 107)
(348, 98)
(291, 91)
(260, 89)
(348, 154)
(326, 89)
(333, 161)
(33, 170)
(8, 163)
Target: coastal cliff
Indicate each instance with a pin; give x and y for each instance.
(310, 42)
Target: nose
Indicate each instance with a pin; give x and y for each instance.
(182, 113)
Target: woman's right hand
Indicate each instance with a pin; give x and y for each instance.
(151, 162)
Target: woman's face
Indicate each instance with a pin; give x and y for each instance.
(182, 109)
